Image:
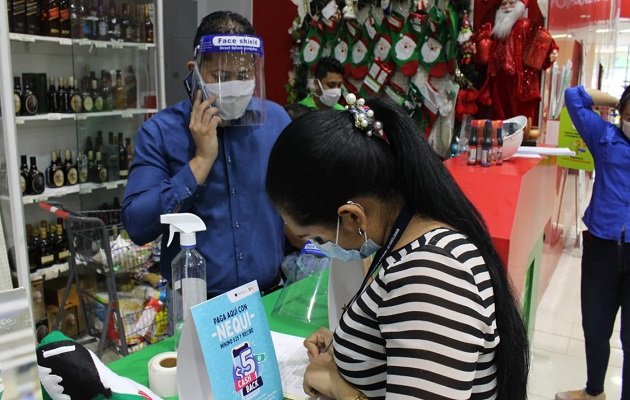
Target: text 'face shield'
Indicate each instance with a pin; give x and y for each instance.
(232, 71)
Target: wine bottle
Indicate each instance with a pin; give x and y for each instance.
(127, 25)
(76, 103)
(120, 94)
(32, 247)
(113, 22)
(51, 24)
(64, 18)
(96, 94)
(24, 178)
(112, 156)
(91, 167)
(101, 170)
(123, 168)
(17, 95)
(46, 253)
(131, 87)
(53, 105)
(33, 17)
(56, 178)
(29, 101)
(71, 173)
(36, 178)
(102, 23)
(148, 25)
(61, 246)
(19, 16)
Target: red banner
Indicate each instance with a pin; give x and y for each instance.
(625, 9)
(567, 14)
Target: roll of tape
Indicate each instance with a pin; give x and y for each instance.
(163, 374)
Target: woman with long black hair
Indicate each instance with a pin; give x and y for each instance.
(435, 317)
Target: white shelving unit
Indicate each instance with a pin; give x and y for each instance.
(127, 113)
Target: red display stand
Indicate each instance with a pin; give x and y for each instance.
(517, 201)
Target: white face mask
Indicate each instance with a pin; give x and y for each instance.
(329, 97)
(625, 127)
(232, 97)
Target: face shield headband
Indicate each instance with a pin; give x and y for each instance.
(231, 70)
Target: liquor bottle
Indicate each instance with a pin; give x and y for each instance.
(472, 145)
(33, 17)
(127, 25)
(61, 245)
(33, 257)
(17, 95)
(35, 252)
(129, 150)
(120, 94)
(112, 156)
(74, 96)
(62, 96)
(106, 90)
(51, 24)
(53, 105)
(19, 16)
(101, 170)
(102, 23)
(70, 170)
(95, 93)
(88, 100)
(132, 88)
(36, 178)
(140, 34)
(82, 162)
(123, 168)
(52, 237)
(487, 144)
(148, 25)
(77, 18)
(113, 22)
(64, 18)
(46, 253)
(91, 22)
(24, 183)
(91, 167)
(54, 175)
(29, 101)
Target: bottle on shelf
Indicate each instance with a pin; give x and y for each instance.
(70, 170)
(91, 22)
(140, 34)
(32, 247)
(17, 95)
(74, 95)
(29, 101)
(53, 105)
(131, 87)
(24, 177)
(62, 97)
(82, 162)
(112, 156)
(113, 22)
(127, 25)
(106, 90)
(129, 150)
(46, 253)
(486, 144)
(472, 145)
(36, 178)
(64, 18)
(33, 17)
(51, 21)
(78, 13)
(91, 167)
(19, 16)
(120, 94)
(95, 93)
(123, 168)
(148, 25)
(98, 145)
(61, 245)
(54, 173)
(52, 237)
(500, 143)
(101, 170)
(102, 23)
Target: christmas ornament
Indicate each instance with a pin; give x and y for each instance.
(484, 43)
(350, 10)
(466, 103)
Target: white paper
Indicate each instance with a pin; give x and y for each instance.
(292, 360)
(546, 151)
(192, 381)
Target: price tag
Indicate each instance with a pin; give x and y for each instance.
(117, 45)
(54, 116)
(126, 114)
(81, 117)
(100, 45)
(143, 46)
(84, 42)
(65, 42)
(19, 121)
(26, 38)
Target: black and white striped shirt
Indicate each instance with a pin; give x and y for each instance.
(425, 327)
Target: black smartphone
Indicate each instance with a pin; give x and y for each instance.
(192, 83)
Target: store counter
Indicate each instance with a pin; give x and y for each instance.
(517, 201)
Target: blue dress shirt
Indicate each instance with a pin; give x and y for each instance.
(244, 235)
(608, 213)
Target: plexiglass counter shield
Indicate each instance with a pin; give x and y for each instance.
(231, 68)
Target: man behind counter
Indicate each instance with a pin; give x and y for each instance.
(210, 159)
(327, 84)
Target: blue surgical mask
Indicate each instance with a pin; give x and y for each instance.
(333, 250)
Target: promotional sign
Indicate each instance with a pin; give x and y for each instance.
(227, 351)
(569, 137)
(570, 14)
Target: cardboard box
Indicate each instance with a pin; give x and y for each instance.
(54, 289)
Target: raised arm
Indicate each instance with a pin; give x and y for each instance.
(587, 122)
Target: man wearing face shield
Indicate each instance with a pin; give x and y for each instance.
(207, 155)
(326, 89)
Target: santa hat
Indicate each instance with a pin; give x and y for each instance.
(394, 22)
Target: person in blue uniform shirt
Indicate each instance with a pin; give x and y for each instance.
(207, 155)
(605, 286)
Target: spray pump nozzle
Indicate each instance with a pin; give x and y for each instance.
(186, 224)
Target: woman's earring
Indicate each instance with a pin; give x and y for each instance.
(361, 232)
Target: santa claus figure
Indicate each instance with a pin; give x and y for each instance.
(520, 51)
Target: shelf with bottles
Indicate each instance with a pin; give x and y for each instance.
(89, 187)
(99, 44)
(50, 193)
(127, 113)
(48, 249)
(51, 272)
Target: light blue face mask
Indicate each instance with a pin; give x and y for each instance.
(333, 250)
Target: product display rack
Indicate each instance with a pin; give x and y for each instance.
(42, 133)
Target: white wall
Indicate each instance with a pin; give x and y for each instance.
(243, 7)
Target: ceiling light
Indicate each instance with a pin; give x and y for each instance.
(602, 30)
(562, 36)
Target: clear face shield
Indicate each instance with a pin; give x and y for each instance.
(230, 68)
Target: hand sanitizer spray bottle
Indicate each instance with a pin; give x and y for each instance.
(189, 268)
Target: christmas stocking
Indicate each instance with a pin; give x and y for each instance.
(69, 371)
(406, 52)
(313, 44)
(392, 25)
(432, 50)
(362, 48)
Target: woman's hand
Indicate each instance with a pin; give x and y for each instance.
(203, 128)
(322, 378)
(319, 342)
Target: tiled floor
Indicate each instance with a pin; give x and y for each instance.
(558, 343)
